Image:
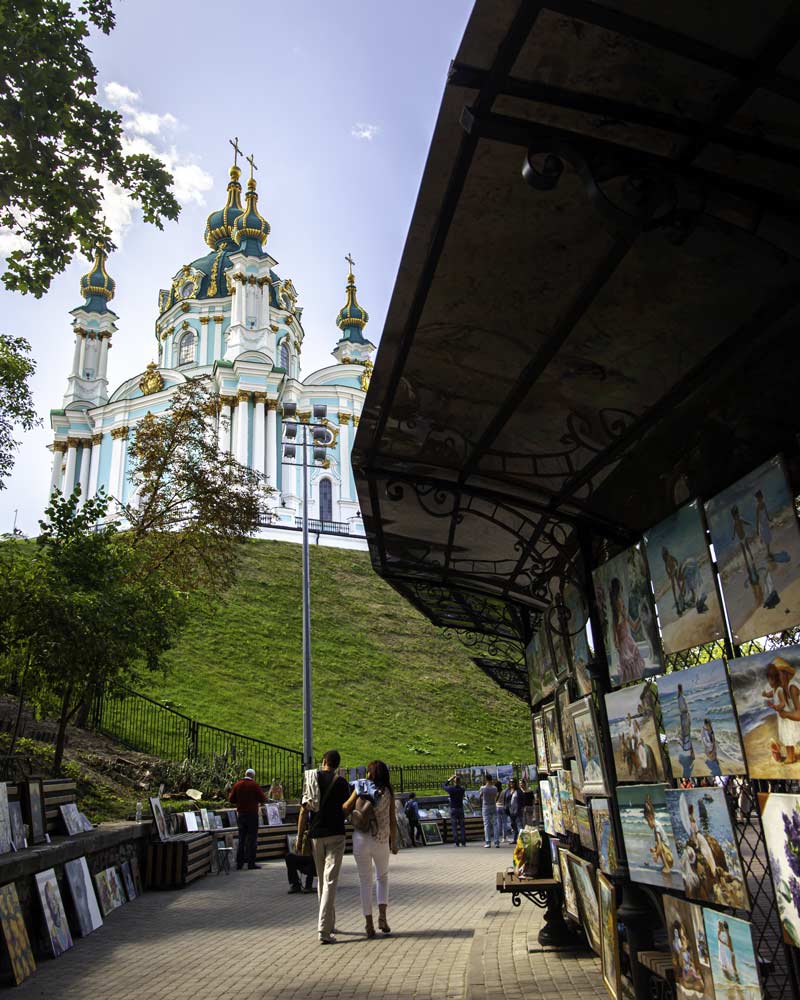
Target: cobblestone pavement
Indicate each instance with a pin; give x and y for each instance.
(241, 936)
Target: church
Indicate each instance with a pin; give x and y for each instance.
(227, 315)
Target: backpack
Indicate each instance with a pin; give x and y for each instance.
(363, 816)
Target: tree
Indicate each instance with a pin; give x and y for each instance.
(16, 402)
(58, 144)
(192, 503)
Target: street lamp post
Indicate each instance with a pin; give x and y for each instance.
(319, 438)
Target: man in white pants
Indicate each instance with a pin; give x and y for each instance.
(324, 808)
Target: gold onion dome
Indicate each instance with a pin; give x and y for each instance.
(219, 225)
(251, 229)
(97, 287)
(351, 313)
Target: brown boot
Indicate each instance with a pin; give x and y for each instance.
(382, 922)
(369, 926)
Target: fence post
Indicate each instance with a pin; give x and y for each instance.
(194, 738)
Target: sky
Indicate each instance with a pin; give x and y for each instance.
(337, 104)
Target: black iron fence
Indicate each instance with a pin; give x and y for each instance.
(429, 779)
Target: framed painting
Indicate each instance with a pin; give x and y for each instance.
(553, 844)
(33, 808)
(734, 969)
(18, 839)
(577, 780)
(556, 626)
(109, 890)
(5, 820)
(273, 814)
(431, 833)
(137, 876)
(647, 833)
(628, 616)
(567, 886)
(609, 936)
(757, 544)
(603, 829)
(190, 819)
(688, 947)
(588, 757)
(567, 800)
(780, 820)
(552, 738)
(546, 796)
(679, 560)
(699, 722)
(707, 851)
(15, 934)
(127, 879)
(584, 827)
(538, 660)
(633, 723)
(158, 818)
(577, 618)
(766, 689)
(71, 818)
(54, 916)
(558, 815)
(83, 896)
(540, 744)
(584, 882)
(562, 704)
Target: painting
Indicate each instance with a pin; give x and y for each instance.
(577, 779)
(71, 818)
(137, 877)
(734, 969)
(158, 818)
(578, 637)
(708, 856)
(628, 616)
(539, 741)
(33, 808)
(15, 935)
(583, 881)
(679, 560)
(780, 819)
(584, 826)
(18, 839)
(567, 801)
(541, 676)
(109, 890)
(647, 834)
(633, 721)
(562, 704)
(83, 896)
(127, 879)
(54, 916)
(431, 833)
(553, 843)
(603, 829)
(609, 937)
(586, 737)
(688, 947)
(766, 692)
(757, 544)
(190, 819)
(558, 815)
(567, 886)
(5, 820)
(552, 738)
(699, 722)
(205, 823)
(273, 814)
(546, 795)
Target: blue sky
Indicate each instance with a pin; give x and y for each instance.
(337, 102)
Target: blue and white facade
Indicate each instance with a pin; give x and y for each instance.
(228, 315)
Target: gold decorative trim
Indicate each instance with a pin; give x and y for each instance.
(73, 442)
(260, 397)
(185, 307)
(97, 438)
(272, 404)
(227, 401)
(218, 319)
(274, 328)
(60, 446)
(119, 432)
(152, 380)
(204, 320)
(243, 396)
(355, 421)
(304, 417)
(343, 418)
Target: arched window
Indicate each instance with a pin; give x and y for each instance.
(186, 349)
(283, 357)
(325, 500)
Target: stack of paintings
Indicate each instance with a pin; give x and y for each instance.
(584, 882)
(633, 721)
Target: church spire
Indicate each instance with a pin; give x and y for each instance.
(351, 320)
(251, 229)
(219, 224)
(97, 287)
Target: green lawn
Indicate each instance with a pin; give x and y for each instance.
(386, 682)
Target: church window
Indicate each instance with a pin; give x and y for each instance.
(186, 349)
(325, 500)
(283, 357)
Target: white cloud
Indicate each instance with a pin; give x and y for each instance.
(120, 96)
(364, 130)
(191, 183)
(148, 123)
(10, 241)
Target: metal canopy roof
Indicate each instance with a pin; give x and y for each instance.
(596, 309)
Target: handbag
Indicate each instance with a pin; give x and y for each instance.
(304, 844)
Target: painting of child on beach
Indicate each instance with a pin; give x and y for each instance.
(647, 832)
(688, 947)
(757, 543)
(699, 722)
(633, 717)
(733, 960)
(625, 603)
(679, 560)
(766, 692)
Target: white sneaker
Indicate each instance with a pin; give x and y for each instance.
(487, 845)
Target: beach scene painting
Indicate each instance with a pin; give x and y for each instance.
(679, 561)
(780, 819)
(633, 722)
(688, 947)
(757, 544)
(647, 833)
(709, 858)
(586, 740)
(699, 722)
(766, 692)
(627, 611)
(604, 836)
(733, 961)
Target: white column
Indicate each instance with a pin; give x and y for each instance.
(203, 340)
(242, 426)
(86, 461)
(258, 432)
(72, 461)
(225, 423)
(219, 337)
(238, 302)
(59, 447)
(105, 347)
(118, 438)
(95, 464)
(344, 455)
(82, 362)
(273, 448)
(76, 357)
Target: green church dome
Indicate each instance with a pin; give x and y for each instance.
(352, 314)
(219, 225)
(97, 287)
(251, 229)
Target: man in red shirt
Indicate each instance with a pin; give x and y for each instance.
(248, 797)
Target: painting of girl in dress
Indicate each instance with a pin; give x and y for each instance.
(688, 948)
(625, 603)
(733, 961)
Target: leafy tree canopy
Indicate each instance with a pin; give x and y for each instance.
(57, 144)
(16, 402)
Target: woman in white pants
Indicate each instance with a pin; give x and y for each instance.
(371, 850)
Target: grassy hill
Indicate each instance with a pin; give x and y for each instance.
(385, 681)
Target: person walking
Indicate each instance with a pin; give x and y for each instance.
(248, 797)
(412, 815)
(456, 792)
(502, 811)
(488, 794)
(371, 848)
(514, 806)
(326, 802)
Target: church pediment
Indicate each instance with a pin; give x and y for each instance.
(132, 389)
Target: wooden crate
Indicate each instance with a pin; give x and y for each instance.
(57, 792)
(473, 827)
(178, 861)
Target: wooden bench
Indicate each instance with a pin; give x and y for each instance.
(473, 827)
(57, 792)
(178, 861)
(537, 890)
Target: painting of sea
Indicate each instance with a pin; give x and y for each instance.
(679, 561)
(633, 718)
(647, 832)
(604, 836)
(733, 961)
(757, 543)
(699, 722)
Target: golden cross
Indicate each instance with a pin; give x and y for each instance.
(350, 261)
(251, 160)
(236, 151)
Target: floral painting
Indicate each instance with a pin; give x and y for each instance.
(633, 722)
(780, 818)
